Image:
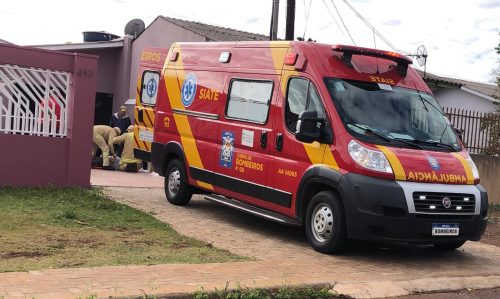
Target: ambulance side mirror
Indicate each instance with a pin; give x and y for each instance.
(309, 127)
(459, 132)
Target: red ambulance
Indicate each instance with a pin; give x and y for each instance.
(346, 141)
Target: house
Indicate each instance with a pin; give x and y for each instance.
(119, 58)
(463, 94)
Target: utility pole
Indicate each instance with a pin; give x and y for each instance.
(290, 20)
(273, 33)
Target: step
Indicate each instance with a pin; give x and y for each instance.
(253, 210)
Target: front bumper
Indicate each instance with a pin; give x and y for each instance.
(383, 210)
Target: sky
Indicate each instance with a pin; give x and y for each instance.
(460, 36)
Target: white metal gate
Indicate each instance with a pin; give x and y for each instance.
(34, 101)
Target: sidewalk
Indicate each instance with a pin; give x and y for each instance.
(107, 178)
(282, 257)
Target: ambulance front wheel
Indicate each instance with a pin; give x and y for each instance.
(177, 189)
(325, 223)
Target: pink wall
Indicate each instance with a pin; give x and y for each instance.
(40, 161)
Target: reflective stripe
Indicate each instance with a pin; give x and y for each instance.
(467, 168)
(399, 172)
(328, 159)
(173, 79)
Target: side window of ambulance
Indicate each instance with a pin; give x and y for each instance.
(301, 96)
(149, 90)
(249, 100)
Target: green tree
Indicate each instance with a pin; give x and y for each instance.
(491, 123)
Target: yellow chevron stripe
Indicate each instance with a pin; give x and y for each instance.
(467, 168)
(182, 122)
(150, 117)
(399, 172)
(317, 153)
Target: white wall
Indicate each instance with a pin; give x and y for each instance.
(457, 98)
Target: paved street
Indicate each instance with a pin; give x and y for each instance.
(281, 256)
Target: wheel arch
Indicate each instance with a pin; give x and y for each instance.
(315, 180)
(162, 154)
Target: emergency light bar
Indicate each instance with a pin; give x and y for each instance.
(401, 60)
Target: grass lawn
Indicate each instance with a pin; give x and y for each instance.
(63, 228)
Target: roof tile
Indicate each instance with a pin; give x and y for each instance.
(216, 33)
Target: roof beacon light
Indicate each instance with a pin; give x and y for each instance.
(348, 51)
(290, 58)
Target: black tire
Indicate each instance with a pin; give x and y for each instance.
(452, 245)
(180, 192)
(327, 234)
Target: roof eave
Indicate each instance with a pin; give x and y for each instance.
(479, 94)
(83, 46)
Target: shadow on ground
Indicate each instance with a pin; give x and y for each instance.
(359, 250)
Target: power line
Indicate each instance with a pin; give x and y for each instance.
(342, 20)
(373, 28)
(307, 17)
(333, 17)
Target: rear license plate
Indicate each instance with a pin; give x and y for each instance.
(445, 229)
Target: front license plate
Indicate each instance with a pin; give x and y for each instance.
(445, 229)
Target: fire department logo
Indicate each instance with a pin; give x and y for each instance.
(188, 90)
(227, 149)
(433, 163)
(446, 202)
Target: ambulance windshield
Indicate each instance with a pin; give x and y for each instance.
(376, 112)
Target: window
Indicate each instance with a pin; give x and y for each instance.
(301, 96)
(149, 90)
(249, 100)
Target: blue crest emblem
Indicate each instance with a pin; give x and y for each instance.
(151, 87)
(227, 149)
(433, 163)
(188, 90)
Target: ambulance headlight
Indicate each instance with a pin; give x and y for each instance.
(475, 172)
(367, 158)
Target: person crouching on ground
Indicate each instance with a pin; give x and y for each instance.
(103, 139)
(127, 162)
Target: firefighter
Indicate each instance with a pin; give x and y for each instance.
(103, 139)
(128, 162)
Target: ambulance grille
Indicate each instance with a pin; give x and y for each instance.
(444, 203)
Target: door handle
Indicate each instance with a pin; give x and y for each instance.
(279, 142)
(140, 114)
(263, 139)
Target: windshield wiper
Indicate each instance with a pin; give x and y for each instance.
(385, 137)
(369, 130)
(423, 100)
(435, 143)
(409, 142)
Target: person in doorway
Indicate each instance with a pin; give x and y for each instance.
(120, 119)
(103, 137)
(127, 162)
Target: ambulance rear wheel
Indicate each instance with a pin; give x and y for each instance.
(177, 189)
(325, 223)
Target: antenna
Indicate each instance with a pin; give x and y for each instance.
(421, 56)
(135, 27)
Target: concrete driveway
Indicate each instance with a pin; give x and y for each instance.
(283, 255)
